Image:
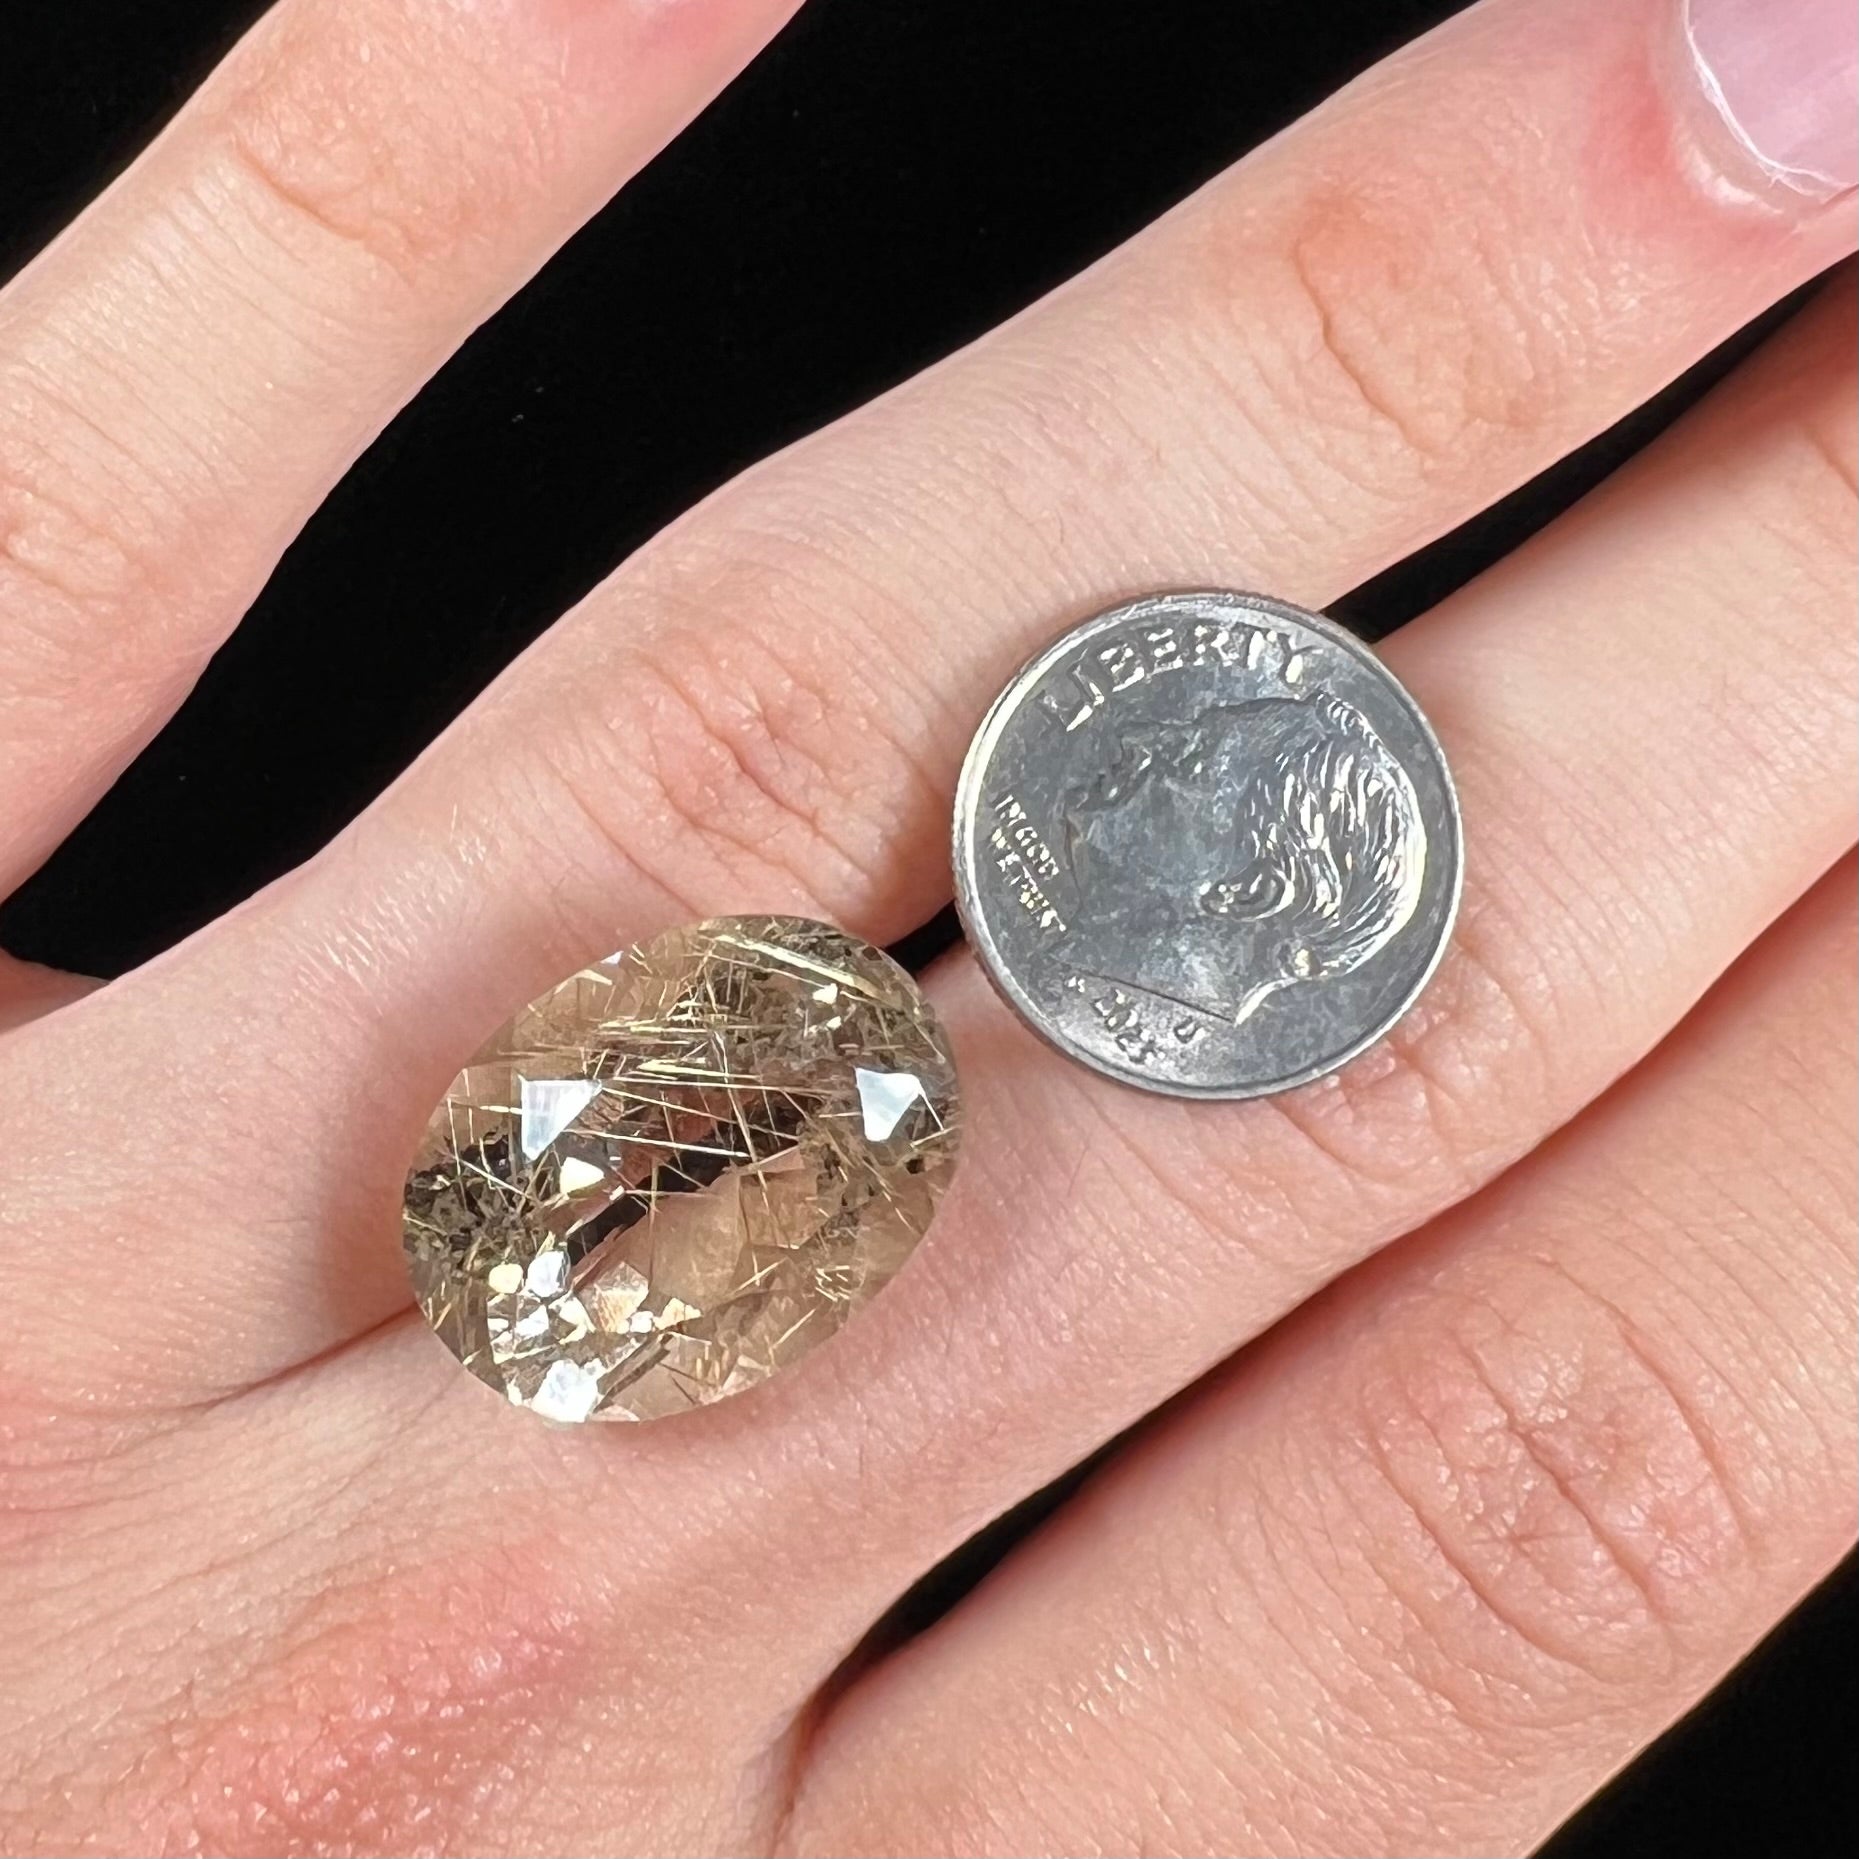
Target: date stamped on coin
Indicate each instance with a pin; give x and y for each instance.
(1206, 843)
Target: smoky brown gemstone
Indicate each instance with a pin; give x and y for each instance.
(682, 1168)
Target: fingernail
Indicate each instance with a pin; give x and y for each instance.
(1784, 77)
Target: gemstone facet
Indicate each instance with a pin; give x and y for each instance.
(682, 1168)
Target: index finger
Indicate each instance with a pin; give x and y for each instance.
(189, 368)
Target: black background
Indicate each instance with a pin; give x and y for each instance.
(894, 177)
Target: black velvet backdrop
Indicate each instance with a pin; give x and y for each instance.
(892, 179)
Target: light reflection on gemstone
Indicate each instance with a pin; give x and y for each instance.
(682, 1168)
(883, 1098)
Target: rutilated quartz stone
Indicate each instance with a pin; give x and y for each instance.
(682, 1168)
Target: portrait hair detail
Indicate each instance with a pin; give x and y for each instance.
(1279, 838)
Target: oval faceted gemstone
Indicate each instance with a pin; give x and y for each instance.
(682, 1168)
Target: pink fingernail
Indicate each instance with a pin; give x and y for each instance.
(1784, 76)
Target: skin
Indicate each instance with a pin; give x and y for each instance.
(1547, 1413)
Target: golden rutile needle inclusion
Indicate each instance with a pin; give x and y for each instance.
(682, 1168)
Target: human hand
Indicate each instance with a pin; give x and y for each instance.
(1413, 1574)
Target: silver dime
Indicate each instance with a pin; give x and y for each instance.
(1207, 844)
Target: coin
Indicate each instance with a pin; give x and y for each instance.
(1207, 844)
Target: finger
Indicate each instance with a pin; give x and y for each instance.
(709, 736)
(187, 371)
(1453, 1544)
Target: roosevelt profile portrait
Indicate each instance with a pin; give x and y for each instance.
(1252, 847)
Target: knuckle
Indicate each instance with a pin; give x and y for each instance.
(79, 520)
(1561, 1504)
(723, 767)
(404, 150)
(1407, 343)
(1469, 1078)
